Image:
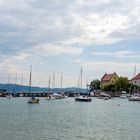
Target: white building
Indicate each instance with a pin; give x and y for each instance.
(136, 80)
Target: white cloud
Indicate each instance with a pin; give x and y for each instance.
(68, 27)
(77, 22)
(58, 49)
(21, 56)
(98, 68)
(9, 67)
(119, 54)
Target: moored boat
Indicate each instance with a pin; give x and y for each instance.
(135, 97)
(104, 96)
(124, 96)
(55, 95)
(33, 100)
(9, 96)
(49, 98)
(82, 98)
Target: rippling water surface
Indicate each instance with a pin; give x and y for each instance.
(66, 119)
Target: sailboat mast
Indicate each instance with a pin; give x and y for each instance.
(15, 83)
(30, 78)
(86, 85)
(53, 83)
(21, 81)
(79, 85)
(81, 78)
(49, 84)
(8, 79)
(16, 79)
(61, 80)
(8, 83)
(134, 75)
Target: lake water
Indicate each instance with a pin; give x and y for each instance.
(66, 119)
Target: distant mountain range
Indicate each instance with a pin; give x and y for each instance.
(19, 88)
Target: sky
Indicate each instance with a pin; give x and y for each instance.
(62, 36)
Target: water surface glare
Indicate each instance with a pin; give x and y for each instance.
(66, 119)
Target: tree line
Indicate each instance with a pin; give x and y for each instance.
(121, 84)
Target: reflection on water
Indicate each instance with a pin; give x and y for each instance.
(66, 119)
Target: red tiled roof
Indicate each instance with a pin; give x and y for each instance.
(107, 77)
(136, 77)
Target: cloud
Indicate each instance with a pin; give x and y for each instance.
(119, 54)
(37, 32)
(9, 67)
(100, 67)
(58, 49)
(22, 56)
(29, 23)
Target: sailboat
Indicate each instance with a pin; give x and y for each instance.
(15, 94)
(55, 94)
(21, 92)
(49, 97)
(32, 99)
(82, 98)
(135, 96)
(9, 96)
(61, 92)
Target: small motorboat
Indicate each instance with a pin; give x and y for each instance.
(134, 97)
(49, 98)
(83, 98)
(104, 96)
(124, 95)
(55, 95)
(33, 100)
(9, 96)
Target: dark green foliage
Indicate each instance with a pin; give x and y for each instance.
(110, 88)
(95, 85)
(122, 84)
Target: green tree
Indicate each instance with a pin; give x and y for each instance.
(109, 88)
(132, 88)
(121, 84)
(95, 85)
